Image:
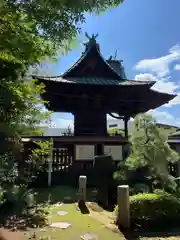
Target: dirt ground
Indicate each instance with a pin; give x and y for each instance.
(10, 235)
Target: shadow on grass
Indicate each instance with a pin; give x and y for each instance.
(31, 218)
(64, 194)
(83, 208)
(134, 234)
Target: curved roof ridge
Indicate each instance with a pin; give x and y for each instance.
(74, 65)
(94, 81)
(145, 82)
(85, 55)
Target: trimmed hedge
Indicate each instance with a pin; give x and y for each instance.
(139, 188)
(154, 210)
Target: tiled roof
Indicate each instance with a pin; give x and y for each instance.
(95, 81)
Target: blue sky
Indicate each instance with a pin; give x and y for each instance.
(146, 35)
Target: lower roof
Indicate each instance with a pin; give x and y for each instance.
(77, 139)
(94, 81)
(126, 97)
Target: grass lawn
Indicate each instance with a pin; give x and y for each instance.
(80, 223)
(96, 221)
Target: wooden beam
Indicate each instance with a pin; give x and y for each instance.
(126, 119)
(50, 163)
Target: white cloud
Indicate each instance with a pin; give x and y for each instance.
(161, 115)
(160, 72)
(145, 77)
(175, 101)
(164, 117)
(161, 85)
(63, 123)
(177, 67)
(160, 66)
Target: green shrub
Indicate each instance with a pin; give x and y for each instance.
(139, 188)
(17, 200)
(153, 210)
(1, 195)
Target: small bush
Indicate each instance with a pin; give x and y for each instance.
(153, 210)
(139, 188)
(17, 200)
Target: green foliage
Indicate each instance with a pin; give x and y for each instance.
(140, 188)
(8, 170)
(30, 32)
(167, 131)
(149, 158)
(19, 197)
(149, 147)
(115, 131)
(13, 198)
(43, 150)
(68, 131)
(24, 45)
(34, 163)
(22, 111)
(153, 210)
(58, 20)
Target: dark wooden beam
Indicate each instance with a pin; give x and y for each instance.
(126, 119)
(90, 123)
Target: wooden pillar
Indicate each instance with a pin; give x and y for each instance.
(126, 119)
(178, 169)
(50, 163)
(99, 149)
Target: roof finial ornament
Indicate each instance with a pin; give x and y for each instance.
(115, 55)
(92, 41)
(91, 38)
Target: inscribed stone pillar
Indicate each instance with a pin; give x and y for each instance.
(82, 188)
(123, 217)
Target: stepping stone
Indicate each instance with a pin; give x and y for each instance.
(59, 204)
(89, 236)
(62, 225)
(61, 213)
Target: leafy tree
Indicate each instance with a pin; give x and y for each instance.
(149, 146)
(30, 32)
(58, 20)
(20, 47)
(150, 156)
(43, 150)
(115, 131)
(68, 131)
